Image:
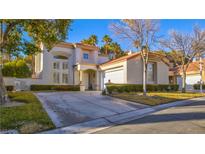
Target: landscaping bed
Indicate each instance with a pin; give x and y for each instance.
(27, 118)
(156, 98)
(121, 88)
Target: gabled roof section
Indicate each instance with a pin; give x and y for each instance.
(193, 68)
(65, 45)
(79, 45)
(152, 55)
(86, 46)
(121, 59)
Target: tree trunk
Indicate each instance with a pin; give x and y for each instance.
(3, 92)
(184, 82)
(33, 66)
(106, 50)
(201, 81)
(144, 78)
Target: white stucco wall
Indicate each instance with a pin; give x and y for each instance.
(102, 59)
(22, 83)
(8, 81)
(134, 71)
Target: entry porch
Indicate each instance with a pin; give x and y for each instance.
(88, 76)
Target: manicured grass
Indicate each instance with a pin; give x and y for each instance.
(28, 118)
(156, 98)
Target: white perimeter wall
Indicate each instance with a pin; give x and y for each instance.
(22, 83)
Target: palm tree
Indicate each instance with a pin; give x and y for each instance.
(115, 49)
(107, 40)
(92, 40)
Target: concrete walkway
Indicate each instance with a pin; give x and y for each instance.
(108, 123)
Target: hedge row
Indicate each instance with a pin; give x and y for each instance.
(120, 88)
(55, 87)
(197, 86)
(16, 68)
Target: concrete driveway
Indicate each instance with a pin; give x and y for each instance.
(187, 119)
(68, 108)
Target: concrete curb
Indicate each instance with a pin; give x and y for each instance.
(178, 103)
(110, 121)
(85, 127)
(128, 116)
(50, 113)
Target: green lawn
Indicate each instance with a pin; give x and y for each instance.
(28, 118)
(156, 98)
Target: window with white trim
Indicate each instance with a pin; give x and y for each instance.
(56, 77)
(65, 78)
(65, 65)
(150, 72)
(56, 65)
(85, 56)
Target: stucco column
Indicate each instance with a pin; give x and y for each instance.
(102, 80)
(97, 80)
(81, 76)
(82, 86)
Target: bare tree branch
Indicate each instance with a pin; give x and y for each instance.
(142, 34)
(187, 45)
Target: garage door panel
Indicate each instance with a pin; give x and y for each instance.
(193, 79)
(115, 76)
(190, 79)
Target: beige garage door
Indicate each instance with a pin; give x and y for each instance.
(114, 75)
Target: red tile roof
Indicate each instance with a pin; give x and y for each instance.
(73, 45)
(192, 68)
(124, 58)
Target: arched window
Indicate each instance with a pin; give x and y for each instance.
(60, 57)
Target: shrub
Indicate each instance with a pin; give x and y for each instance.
(197, 86)
(55, 87)
(16, 68)
(120, 88)
(103, 92)
(9, 88)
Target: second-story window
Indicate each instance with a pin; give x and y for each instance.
(85, 56)
(56, 65)
(65, 65)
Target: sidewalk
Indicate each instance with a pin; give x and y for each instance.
(110, 121)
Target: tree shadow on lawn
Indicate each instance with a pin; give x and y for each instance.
(152, 100)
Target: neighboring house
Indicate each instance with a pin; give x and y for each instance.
(129, 69)
(77, 63)
(192, 74)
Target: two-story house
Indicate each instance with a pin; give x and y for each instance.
(71, 64)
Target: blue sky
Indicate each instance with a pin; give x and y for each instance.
(83, 28)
